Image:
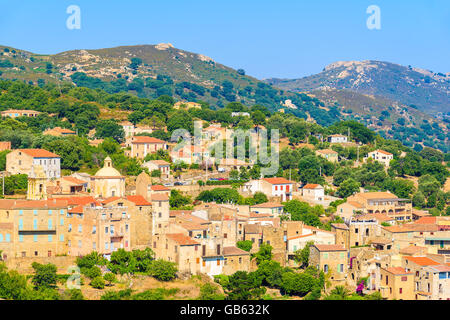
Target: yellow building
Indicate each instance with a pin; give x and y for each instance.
(108, 182)
(396, 283)
(37, 184)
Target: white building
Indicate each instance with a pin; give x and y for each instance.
(381, 156)
(337, 138)
(313, 192)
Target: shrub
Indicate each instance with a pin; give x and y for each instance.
(98, 283)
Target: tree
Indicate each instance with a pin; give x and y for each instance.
(110, 277)
(302, 255)
(109, 128)
(258, 118)
(177, 200)
(45, 276)
(244, 286)
(260, 197)
(298, 283)
(98, 283)
(245, 245)
(264, 253)
(418, 200)
(209, 291)
(348, 187)
(163, 270)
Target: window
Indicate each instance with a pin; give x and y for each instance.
(400, 290)
(50, 224)
(61, 237)
(79, 243)
(35, 238)
(70, 227)
(218, 262)
(34, 224)
(61, 221)
(325, 255)
(20, 224)
(107, 245)
(94, 245)
(404, 278)
(50, 238)
(80, 228)
(106, 229)
(325, 268)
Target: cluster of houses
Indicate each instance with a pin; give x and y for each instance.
(396, 250)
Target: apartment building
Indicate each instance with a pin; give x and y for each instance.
(20, 161)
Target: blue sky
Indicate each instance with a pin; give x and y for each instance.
(284, 38)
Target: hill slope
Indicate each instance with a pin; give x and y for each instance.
(427, 90)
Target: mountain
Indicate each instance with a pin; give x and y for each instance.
(149, 71)
(428, 91)
(153, 70)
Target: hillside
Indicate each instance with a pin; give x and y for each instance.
(150, 71)
(153, 70)
(425, 89)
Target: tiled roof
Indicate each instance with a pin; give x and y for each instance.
(267, 205)
(330, 247)
(193, 219)
(377, 195)
(175, 213)
(277, 180)
(193, 226)
(181, 239)
(138, 200)
(71, 201)
(74, 181)
(234, 251)
(412, 249)
(159, 197)
(252, 228)
(146, 139)
(32, 204)
(397, 270)
(312, 186)
(340, 226)
(301, 236)
(384, 152)
(160, 162)
(441, 268)
(77, 209)
(260, 215)
(426, 220)
(158, 187)
(327, 151)
(355, 204)
(110, 199)
(422, 261)
(39, 153)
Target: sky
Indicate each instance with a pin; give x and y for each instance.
(283, 38)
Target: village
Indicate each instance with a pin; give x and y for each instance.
(375, 240)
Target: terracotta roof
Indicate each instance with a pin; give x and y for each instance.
(252, 228)
(377, 195)
(146, 139)
(193, 219)
(139, 200)
(377, 216)
(330, 247)
(398, 270)
(32, 204)
(159, 197)
(160, 162)
(234, 251)
(311, 186)
(355, 204)
(277, 180)
(380, 240)
(340, 226)
(384, 152)
(71, 201)
(426, 220)
(327, 151)
(39, 153)
(422, 261)
(182, 239)
(61, 130)
(260, 215)
(316, 229)
(110, 199)
(412, 249)
(158, 187)
(193, 226)
(74, 181)
(441, 268)
(301, 236)
(78, 209)
(267, 205)
(175, 213)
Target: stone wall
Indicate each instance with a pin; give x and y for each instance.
(23, 265)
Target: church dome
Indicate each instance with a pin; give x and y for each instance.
(108, 170)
